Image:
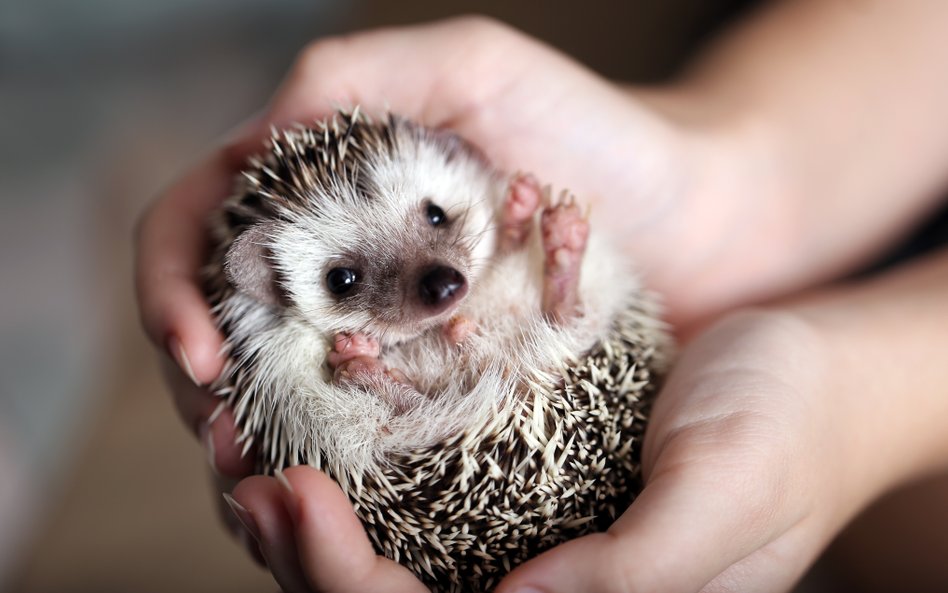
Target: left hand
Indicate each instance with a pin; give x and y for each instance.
(748, 472)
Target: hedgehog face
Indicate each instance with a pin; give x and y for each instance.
(391, 253)
(395, 256)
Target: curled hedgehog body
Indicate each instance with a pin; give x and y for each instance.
(387, 323)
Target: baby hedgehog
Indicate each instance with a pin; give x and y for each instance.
(445, 341)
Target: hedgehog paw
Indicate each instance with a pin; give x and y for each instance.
(523, 198)
(458, 329)
(367, 370)
(359, 370)
(348, 346)
(371, 374)
(565, 230)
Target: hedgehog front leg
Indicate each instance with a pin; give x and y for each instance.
(564, 231)
(520, 204)
(355, 361)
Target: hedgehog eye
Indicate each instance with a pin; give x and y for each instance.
(436, 216)
(340, 281)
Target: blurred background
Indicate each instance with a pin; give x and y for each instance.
(101, 104)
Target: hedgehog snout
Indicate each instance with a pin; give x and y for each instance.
(440, 287)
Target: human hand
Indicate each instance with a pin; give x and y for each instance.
(311, 538)
(773, 430)
(754, 458)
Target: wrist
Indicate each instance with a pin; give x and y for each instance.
(859, 444)
(842, 454)
(734, 215)
(881, 339)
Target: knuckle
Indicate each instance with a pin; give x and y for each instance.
(316, 54)
(480, 28)
(751, 456)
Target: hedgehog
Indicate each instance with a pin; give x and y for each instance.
(445, 340)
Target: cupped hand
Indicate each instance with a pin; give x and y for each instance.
(748, 472)
(305, 528)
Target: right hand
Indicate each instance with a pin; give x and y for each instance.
(525, 105)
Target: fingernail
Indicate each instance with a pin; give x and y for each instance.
(181, 357)
(290, 497)
(206, 434)
(252, 547)
(244, 516)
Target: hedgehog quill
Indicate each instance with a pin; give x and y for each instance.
(448, 342)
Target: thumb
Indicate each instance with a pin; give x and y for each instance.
(682, 531)
(334, 550)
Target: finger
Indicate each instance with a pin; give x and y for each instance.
(260, 509)
(227, 456)
(212, 422)
(776, 567)
(436, 74)
(234, 517)
(172, 241)
(171, 245)
(334, 550)
(683, 530)
(194, 404)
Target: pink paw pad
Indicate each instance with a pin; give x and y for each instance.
(348, 346)
(565, 230)
(362, 370)
(523, 198)
(564, 226)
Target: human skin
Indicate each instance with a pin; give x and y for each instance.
(774, 429)
(764, 443)
(736, 165)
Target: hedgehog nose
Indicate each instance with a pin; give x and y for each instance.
(440, 287)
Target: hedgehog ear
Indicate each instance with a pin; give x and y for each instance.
(247, 264)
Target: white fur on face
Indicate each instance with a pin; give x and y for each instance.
(382, 221)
